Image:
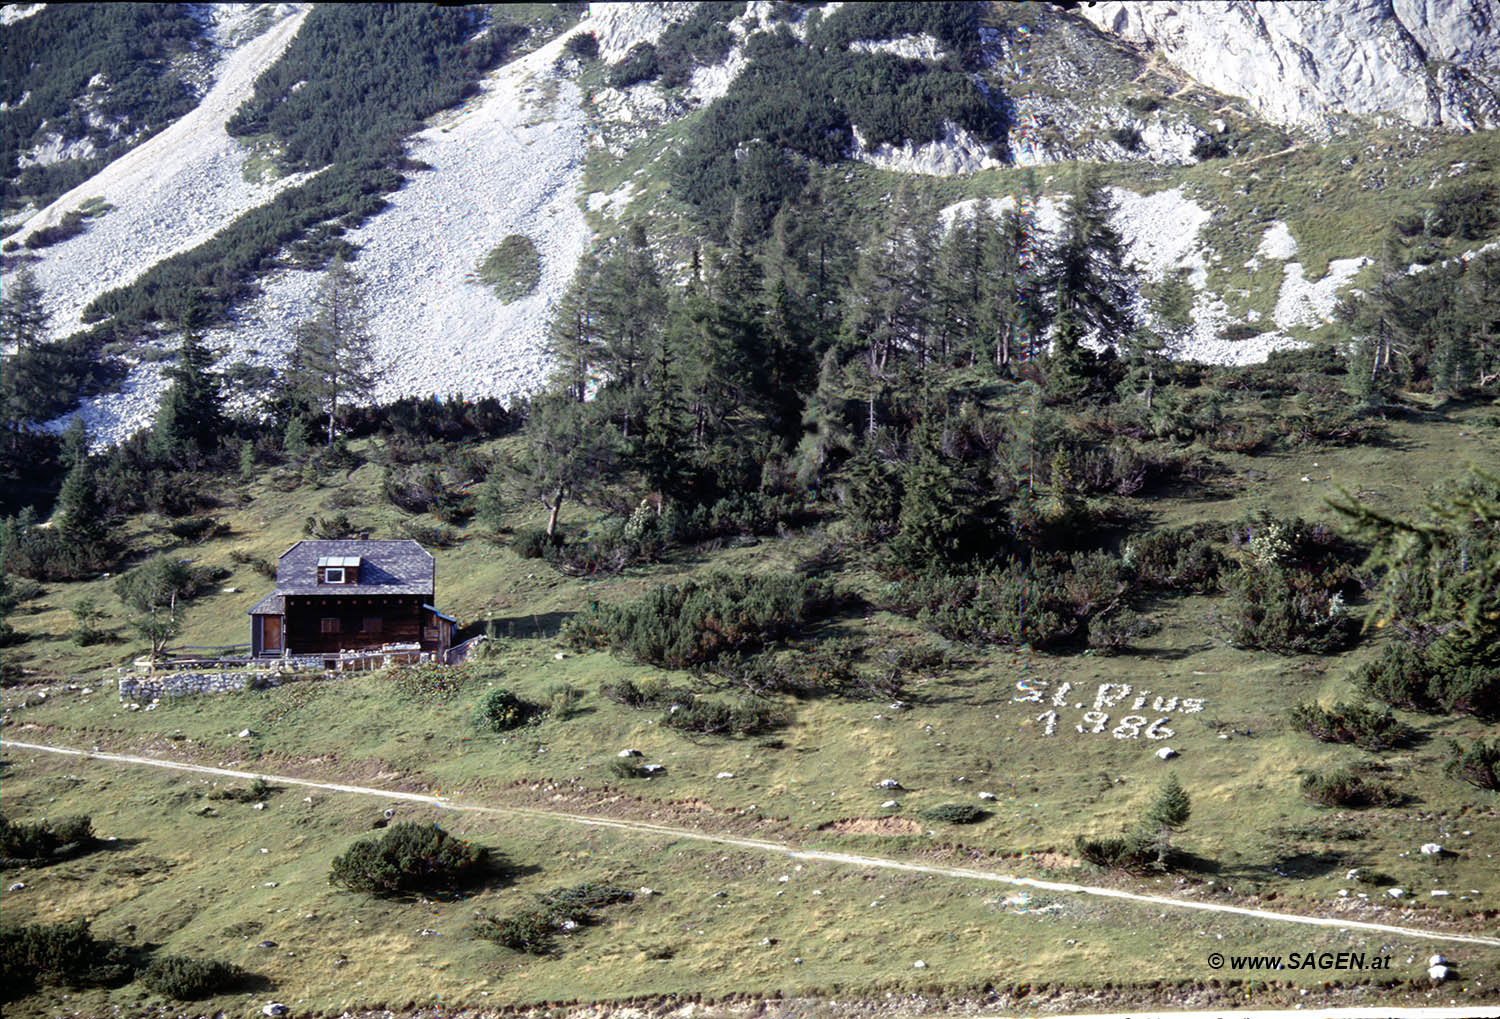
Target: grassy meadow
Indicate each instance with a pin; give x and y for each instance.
(187, 873)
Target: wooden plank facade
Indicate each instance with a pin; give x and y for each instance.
(340, 596)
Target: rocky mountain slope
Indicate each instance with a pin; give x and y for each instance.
(1214, 163)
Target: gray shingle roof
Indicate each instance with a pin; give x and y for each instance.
(386, 567)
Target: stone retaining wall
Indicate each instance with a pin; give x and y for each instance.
(175, 684)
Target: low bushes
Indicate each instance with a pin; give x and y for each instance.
(513, 268)
(1477, 764)
(1348, 788)
(59, 953)
(188, 979)
(502, 710)
(535, 930)
(410, 859)
(954, 813)
(748, 716)
(31, 845)
(1358, 724)
(688, 625)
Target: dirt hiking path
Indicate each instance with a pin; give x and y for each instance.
(760, 845)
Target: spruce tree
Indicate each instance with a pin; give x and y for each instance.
(1168, 813)
(190, 417)
(23, 315)
(79, 514)
(1084, 272)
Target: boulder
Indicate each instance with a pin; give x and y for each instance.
(1436, 960)
(1431, 849)
(891, 805)
(1438, 973)
(274, 1008)
(986, 796)
(629, 753)
(889, 783)
(1167, 753)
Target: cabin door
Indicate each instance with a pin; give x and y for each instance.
(270, 633)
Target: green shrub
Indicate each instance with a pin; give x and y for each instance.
(1112, 851)
(188, 979)
(410, 859)
(1348, 788)
(583, 45)
(1478, 764)
(1179, 559)
(531, 931)
(512, 269)
(257, 792)
(502, 710)
(1358, 724)
(61, 953)
(45, 842)
(636, 66)
(747, 717)
(625, 767)
(1400, 677)
(1119, 630)
(1287, 610)
(577, 902)
(197, 528)
(955, 813)
(534, 543)
(680, 626)
(563, 700)
(534, 930)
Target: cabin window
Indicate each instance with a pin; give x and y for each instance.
(371, 624)
(330, 625)
(333, 575)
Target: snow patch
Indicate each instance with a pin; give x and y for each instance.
(1304, 302)
(913, 47)
(957, 152)
(1278, 242)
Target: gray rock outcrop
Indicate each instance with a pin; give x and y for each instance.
(1431, 63)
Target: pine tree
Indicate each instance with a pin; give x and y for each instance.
(565, 453)
(1168, 813)
(335, 347)
(190, 417)
(573, 339)
(631, 307)
(23, 316)
(1084, 274)
(79, 514)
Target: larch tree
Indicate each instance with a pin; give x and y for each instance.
(334, 355)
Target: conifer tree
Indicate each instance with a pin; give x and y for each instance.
(335, 349)
(573, 339)
(1084, 272)
(79, 514)
(190, 417)
(23, 316)
(1168, 813)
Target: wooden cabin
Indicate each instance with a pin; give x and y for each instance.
(356, 595)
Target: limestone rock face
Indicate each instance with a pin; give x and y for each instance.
(1431, 63)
